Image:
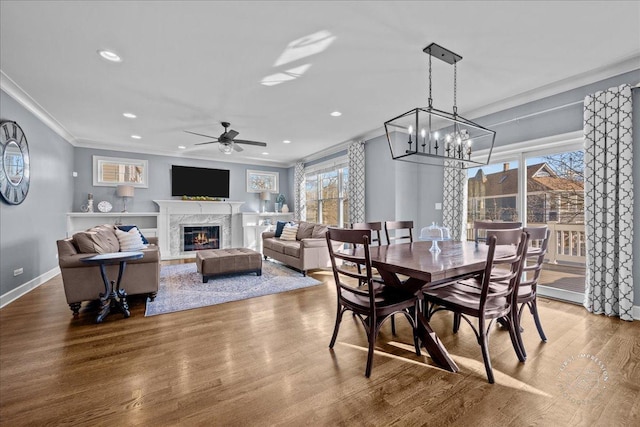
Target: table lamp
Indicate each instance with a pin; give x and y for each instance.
(124, 191)
(266, 196)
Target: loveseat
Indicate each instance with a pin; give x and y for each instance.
(307, 252)
(83, 282)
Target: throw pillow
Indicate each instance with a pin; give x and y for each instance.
(100, 239)
(305, 230)
(130, 240)
(319, 231)
(129, 227)
(289, 232)
(279, 227)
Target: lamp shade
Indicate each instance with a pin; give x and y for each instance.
(125, 190)
(265, 195)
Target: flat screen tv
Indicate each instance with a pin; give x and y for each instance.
(190, 181)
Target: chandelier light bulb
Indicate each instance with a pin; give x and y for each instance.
(410, 129)
(423, 133)
(436, 135)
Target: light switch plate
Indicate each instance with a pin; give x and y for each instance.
(438, 206)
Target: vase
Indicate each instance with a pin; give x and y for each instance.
(285, 208)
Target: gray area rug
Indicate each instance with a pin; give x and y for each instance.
(181, 287)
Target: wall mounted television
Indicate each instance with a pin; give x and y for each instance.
(192, 181)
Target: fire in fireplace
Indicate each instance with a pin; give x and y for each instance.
(200, 237)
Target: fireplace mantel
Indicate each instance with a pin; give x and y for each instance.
(195, 207)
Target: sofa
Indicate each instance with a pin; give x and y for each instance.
(83, 282)
(309, 250)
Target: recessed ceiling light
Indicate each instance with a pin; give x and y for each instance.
(136, 137)
(286, 141)
(265, 153)
(182, 147)
(109, 56)
(129, 115)
(336, 114)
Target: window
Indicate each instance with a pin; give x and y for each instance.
(326, 193)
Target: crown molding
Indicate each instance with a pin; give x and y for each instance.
(624, 65)
(16, 92)
(344, 145)
(98, 145)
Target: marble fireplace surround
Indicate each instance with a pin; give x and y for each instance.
(174, 213)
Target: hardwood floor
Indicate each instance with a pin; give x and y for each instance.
(266, 361)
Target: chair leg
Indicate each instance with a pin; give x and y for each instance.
(416, 339)
(393, 325)
(533, 307)
(337, 326)
(516, 336)
(483, 340)
(456, 322)
(371, 336)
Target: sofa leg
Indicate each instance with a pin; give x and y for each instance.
(259, 272)
(152, 296)
(205, 279)
(265, 257)
(304, 273)
(75, 307)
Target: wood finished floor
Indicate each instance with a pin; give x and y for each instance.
(266, 361)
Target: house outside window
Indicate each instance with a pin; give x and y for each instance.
(326, 187)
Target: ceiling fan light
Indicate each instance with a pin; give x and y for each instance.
(225, 148)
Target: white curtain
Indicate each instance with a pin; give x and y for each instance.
(356, 190)
(454, 200)
(609, 202)
(300, 209)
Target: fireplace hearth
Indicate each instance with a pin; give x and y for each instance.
(200, 237)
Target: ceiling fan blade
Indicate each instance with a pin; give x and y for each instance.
(237, 148)
(243, 141)
(200, 134)
(229, 134)
(203, 143)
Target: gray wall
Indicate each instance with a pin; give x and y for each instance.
(28, 231)
(160, 181)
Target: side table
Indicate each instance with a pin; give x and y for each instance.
(113, 297)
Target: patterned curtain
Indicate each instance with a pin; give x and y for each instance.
(300, 210)
(355, 154)
(454, 200)
(609, 202)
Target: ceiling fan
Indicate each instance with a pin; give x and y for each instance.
(227, 140)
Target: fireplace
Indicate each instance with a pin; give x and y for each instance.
(200, 237)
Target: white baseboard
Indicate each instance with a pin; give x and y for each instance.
(25, 288)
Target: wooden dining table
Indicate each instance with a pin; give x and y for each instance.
(423, 267)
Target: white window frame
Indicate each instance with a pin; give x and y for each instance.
(336, 164)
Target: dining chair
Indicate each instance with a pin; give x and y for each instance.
(375, 227)
(527, 291)
(479, 226)
(398, 225)
(489, 297)
(371, 303)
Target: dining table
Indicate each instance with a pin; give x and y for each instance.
(422, 268)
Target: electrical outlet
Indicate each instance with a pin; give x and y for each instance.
(18, 271)
(438, 206)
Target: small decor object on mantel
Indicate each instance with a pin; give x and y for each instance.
(104, 206)
(280, 202)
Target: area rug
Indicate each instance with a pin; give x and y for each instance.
(181, 287)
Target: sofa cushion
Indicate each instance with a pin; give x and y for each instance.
(279, 227)
(319, 231)
(292, 249)
(276, 245)
(101, 239)
(305, 230)
(129, 227)
(130, 240)
(289, 232)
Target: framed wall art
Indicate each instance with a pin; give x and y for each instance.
(259, 181)
(114, 171)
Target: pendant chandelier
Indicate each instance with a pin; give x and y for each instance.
(430, 136)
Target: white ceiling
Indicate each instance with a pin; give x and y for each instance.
(190, 65)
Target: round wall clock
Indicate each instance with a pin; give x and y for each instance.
(14, 159)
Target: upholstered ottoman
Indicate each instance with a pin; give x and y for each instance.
(214, 262)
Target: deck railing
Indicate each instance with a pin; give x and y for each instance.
(567, 242)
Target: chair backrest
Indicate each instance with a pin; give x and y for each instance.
(539, 243)
(355, 239)
(502, 275)
(480, 226)
(398, 225)
(375, 228)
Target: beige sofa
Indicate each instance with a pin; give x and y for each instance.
(82, 282)
(307, 252)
